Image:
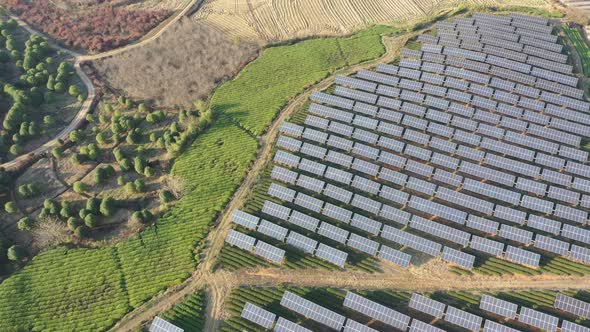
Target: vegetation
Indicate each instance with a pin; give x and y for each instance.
(581, 46)
(99, 29)
(263, 87)
(190, 314)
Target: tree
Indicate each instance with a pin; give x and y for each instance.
(93, 205)
(25, 223)
(66, 209)
(16, 253)
(82, 231)
(10, 207)
(139, 164)
(107, 207)
(91, 220)
(73, 223)
(57, 153)
(49, 120)
(100, 138)
(80, 187)
(100, 175)
(59, 87)
(51, 205)
(149, 172)
(16, 149)
(142, 108)
(121, 181)
(76, 135)
(130, 188)
(139, 185)
(165, 196)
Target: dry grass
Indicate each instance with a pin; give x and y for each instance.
(277, 20)
(185, 64)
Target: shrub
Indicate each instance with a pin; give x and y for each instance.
(80, 187)
(25, 223)
(107, 207)
(16, 253)
(10, 207)
(91, 220)
(82, 231)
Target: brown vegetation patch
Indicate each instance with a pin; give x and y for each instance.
(183, 65)
(95, 27)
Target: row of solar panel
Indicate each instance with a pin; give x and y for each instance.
(258, 247)
(471, 221)
(448, 147)
(481, 48)
(433, 83)
(396, 160)
(404, 238)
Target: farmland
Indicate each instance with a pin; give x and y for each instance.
(581, 46)
(189, 314)
(272, 21)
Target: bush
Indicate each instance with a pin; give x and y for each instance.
(16, 253)
(93, 205)
(82, 231)
(165, 196)
(28, 190)
(80, 187)
(25, 223)
(10, 207)
(91, 220)
(130, 188)
(139, 185)
(73, 223)
(107, 207)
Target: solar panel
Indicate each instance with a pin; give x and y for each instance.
(355, 83)
(302, 242)
(393, 176)
(365, 151)
(580, 253)
(313, 150)
(366, 224)
(310, 183)
(460, 258)
(289, 143)
(272, 230)
(440, 230)
(332, 255)
(437, 209)
(333, 232)
(337, 213)
(421, 186)
(522, 256)
(572, 305)
(464, 200)
(316, 121)
(563, 195)
(284, 325)
(538, 319)
(286, 158)
(516, 234)
(283, 174)
(245, 219)
(258, 315)
(366, 185)
(537, 204)
(491, 326)
(366, 204)
(308, 202)
(365, 167)
(315, 135)
(339, 158)
(282, 193)
(487, 246)
(567, 326)
(304, 221)
(376, 311)
(395, 256)
(544, 224)
(240, 240)
(331, 100)
(509, 214)
(498, 307)
(363, 244)
(270, 252)
(291, 129)
(337, 193)
(482, 224)
(464, 319)
(551, 245)
(313, 311)
(275, 210)
(420, 326)
(531, 186)
(576, 233)
(413, 241)
(396, 215)
(161, 325)
(427, 305)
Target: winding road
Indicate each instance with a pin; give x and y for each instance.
(26, 159)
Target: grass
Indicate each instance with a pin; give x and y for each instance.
(90, 289)
(581, 46)
(263, 87)
(190, 314)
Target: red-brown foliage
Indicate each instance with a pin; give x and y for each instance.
(100, 29)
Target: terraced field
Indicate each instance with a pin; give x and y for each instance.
(271, 21)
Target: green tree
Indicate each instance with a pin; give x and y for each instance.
(16, 253)
(107, 207)
(49, 120)
(25, 223)
(93, 205)
(82, 232)
(165, 196)
(91, 220)
(80, 187)
(149, 172)
(130, 188)
(57, 153)
(76, 135)
(139, 185)
(73, 223)
(139, 164)
(10, 207)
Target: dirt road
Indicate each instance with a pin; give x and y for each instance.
(25, 159)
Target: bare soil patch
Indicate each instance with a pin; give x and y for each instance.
(183, 65)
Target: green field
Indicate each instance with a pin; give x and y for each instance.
(189, 314)
(263, 87)
(91, 289)
(581, 47)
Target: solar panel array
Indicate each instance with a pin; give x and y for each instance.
(472, 142)
(427, 305)
(258, 315)
(376, 311)
(312, 311)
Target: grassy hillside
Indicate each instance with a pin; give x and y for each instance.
(262, 88)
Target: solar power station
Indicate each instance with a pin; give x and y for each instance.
(420, 313)
(468, 147)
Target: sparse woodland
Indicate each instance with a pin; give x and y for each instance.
(186, 63)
